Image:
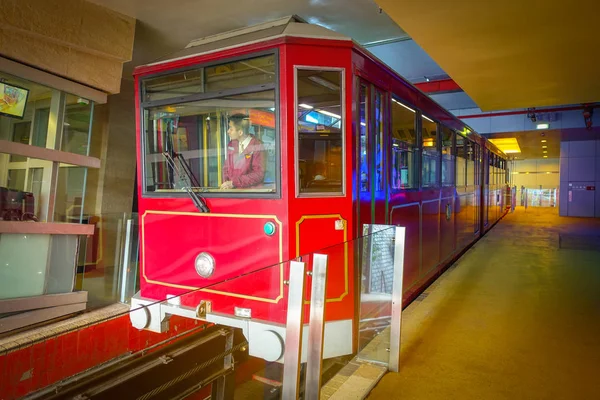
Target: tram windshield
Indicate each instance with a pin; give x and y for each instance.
(227, 138)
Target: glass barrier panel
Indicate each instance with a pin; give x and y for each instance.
(70, 353)
(36, 264)
(377, 277)
(108, 262)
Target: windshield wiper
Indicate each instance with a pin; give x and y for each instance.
(184, 169)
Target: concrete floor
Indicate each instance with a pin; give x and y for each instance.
(517, 317)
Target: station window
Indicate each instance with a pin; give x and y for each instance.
(404, 142)
(223, 141)
(430, 152)
(51, 191)
(320, 131)
(448, 156)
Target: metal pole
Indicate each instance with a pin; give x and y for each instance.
(394, 364)
(293, 332)
(316, 328)
(126, 260)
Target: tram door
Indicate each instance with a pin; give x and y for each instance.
(372, 177)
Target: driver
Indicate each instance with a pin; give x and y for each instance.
(245, 164)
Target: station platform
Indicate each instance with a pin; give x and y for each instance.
(517, 317)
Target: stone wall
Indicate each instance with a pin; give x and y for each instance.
(75, 39)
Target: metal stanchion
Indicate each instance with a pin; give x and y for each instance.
(394, 363)
(293, 333)
(314, 360)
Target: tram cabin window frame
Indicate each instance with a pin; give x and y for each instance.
(272, 149)
(448, 179)
(404, 154)
(321, 185)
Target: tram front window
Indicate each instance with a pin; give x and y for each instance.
(228, 143)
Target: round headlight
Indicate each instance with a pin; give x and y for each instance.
(205, 265)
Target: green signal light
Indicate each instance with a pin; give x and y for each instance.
(269, 229)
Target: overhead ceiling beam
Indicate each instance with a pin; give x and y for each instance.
(439, 86)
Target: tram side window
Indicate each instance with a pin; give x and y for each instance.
(363, 110)
(320, 131)
(448, 156)
(461, 161)
(491, 175)
(430, 152)
(404, 143)
(471, 173)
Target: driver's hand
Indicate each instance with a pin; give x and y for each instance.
(227, 185)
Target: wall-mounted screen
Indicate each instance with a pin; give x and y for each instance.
(12, 100)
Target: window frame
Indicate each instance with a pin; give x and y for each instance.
(441, 128)
(343, 192)
(416, 148)
(145, 105)
(437, 182)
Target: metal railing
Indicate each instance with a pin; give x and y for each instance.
(380, 242)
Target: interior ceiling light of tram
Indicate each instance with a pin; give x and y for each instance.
(309, 107)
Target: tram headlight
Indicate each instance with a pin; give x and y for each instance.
(205, 265)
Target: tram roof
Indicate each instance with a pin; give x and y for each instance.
(290, 26)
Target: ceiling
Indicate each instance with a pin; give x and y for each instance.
(163, 29)
(512, 53)
(530, 143)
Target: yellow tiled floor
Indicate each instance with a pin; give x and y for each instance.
(517, 317)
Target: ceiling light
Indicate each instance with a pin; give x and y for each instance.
(545, 156)
(324, 82)
(328, 113)
(543, 126)
(507, 145)
(545, 151)
(306, 106)
(544, 140)
(544, 147)
(428, 119)
(397, 102)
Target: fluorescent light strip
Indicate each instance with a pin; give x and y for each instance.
(306, 106)
(407, 107)
(329, 114)
(427, 118)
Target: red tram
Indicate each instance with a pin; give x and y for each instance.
(292, 137)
